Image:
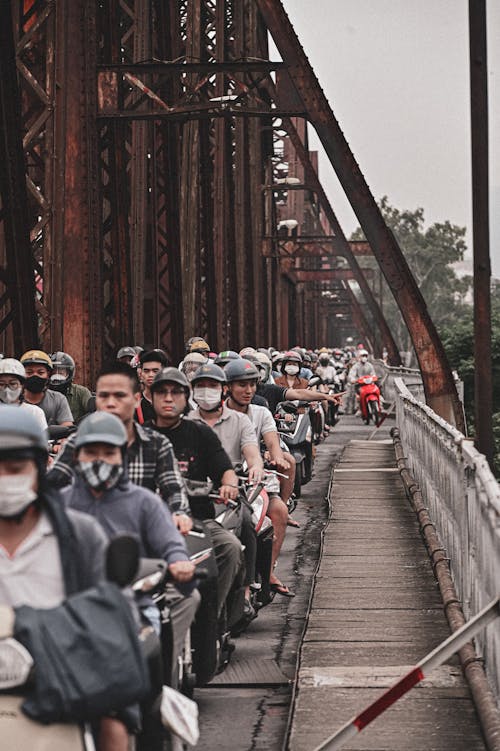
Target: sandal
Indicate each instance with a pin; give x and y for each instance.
(281, 589)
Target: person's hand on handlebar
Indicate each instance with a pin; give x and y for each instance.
(183, 522)
(181, 571)
(256, 474)
(228, 492)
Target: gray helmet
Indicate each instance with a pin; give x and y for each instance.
(170, 375)
(19, 429)
(101, 427)
(241, 370)
(211, 371)
(126, 352)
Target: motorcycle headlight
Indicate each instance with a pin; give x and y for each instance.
(15, 663)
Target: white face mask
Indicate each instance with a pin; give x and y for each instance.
(10, 396)
(363, 358)
(207, 398)
(292, 369)
(16, 492)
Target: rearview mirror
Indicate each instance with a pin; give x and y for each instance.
(122, 560)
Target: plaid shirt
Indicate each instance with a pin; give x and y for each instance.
(151, 464)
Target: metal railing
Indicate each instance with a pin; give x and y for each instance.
(463, 498)
(387, 376)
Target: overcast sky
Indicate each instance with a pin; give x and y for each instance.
(396, 73)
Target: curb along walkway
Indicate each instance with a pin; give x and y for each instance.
(376, 611)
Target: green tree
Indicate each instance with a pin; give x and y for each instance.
(458, 340)
(430, 253)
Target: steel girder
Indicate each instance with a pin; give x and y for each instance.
(17, 300)
(438, 381)
(341, 243)
(146, 208)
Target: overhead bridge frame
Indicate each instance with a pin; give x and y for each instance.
(149, 133)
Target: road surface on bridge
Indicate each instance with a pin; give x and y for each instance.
(376, 611)
(235, 716)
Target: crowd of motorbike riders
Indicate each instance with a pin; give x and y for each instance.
(201, 462)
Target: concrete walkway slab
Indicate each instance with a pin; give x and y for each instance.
(376, 610)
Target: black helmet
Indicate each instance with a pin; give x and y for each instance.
(62, 360)
(170, 375)
(224, 357)
(211, 371)
(241, 370)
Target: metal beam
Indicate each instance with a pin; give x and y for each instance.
(323, 275)
(17, 277)
(438, 381)
(483, 373)
(344, 246)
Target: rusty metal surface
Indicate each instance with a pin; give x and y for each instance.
(438, 381)
(323, 275)
(17, 287)
(344, 246)
(152, 135)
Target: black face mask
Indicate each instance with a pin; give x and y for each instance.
(61, 387)
(35, 384)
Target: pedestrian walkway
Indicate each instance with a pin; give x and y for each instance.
(376, 610)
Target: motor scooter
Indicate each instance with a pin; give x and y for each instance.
(369, 398)
(17, 673)
(254, 497)
(293, 424)
(152, 579)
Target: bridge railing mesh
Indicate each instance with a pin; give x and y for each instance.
(463, 498)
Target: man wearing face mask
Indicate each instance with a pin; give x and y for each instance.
(362, 367)
(47, 552)
(235, 430)
(12, 377)
(191, 363)
(61, 380)
(103, 490)
(151, 460)
(38, 367)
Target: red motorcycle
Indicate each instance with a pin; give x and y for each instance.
(369, 398)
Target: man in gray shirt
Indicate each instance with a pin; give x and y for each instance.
(38, 366)
(103, 490)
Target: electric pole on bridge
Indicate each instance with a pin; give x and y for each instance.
(483, 377)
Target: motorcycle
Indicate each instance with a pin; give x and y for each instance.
(152, 578)
(293, 424)
(254, 497)
(369, 398)
(18, 669)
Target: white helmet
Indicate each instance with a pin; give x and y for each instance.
(363, 353)
(191, 363)
(263, 358)
(10, 366)
(247, 351)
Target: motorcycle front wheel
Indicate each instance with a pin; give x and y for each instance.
(374, 410)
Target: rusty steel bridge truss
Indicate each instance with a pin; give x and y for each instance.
(153, 154)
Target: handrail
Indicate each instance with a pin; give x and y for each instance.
(463, 498)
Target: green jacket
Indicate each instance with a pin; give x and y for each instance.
(78, 397)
